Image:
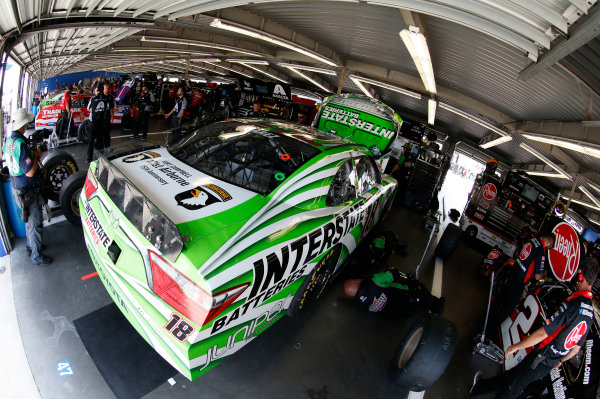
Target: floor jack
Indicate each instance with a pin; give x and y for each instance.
(484, 346)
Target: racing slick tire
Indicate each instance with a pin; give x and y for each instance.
(424, 353)
(448, 242)
(316, 281)
(57, 166)
(69, 196)
(84, 131)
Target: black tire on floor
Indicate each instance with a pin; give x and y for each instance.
(316, 281)
(448, 242)
(84, 131)
(69, 196)
(127, 121)
(58, 165)
(424, 353)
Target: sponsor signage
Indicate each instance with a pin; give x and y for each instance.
(279, 91)
(564, 256)
(490, 191)
(575, 335)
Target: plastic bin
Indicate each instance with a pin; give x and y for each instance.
(12, 210)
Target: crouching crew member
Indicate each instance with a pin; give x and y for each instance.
(25, 180)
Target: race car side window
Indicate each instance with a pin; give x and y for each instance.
(367, 174)
(342, 187)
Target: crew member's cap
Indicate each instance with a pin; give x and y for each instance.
(20, 117)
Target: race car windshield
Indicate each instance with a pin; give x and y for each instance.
(244, 155)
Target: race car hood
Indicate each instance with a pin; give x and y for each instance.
(197, 203)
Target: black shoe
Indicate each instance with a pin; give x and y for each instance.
(438, 306)
(476, 379)
(143, 139)
(28, 250)
(46, 260)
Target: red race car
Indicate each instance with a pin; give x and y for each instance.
(49, 114)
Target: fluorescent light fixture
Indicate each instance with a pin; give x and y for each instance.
(417, 47)
(217, 23)
(431, 107)
(545, 174)
(311, 80)
(263, 72)
(575, 145)
(388, 86)
(594, 221)
(590, 196)
(360, 86)
(230, 69)
(472, 118)
(586, 204)
(498, 141)
(254, 62)
(201, 44)
(544, 159)
(157, 50)
(308, 68)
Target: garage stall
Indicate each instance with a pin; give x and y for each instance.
(295, 149)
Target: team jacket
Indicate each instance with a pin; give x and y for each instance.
(531, 259)
(388, 291)
(180, 106)
(100, 107)
(145, 101)
(569, 326)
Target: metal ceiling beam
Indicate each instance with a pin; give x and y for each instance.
(553, 17)
(15, 9)
(586, 30)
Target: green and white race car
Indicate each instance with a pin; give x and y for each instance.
(206, 243)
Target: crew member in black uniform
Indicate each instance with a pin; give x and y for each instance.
(107, 115)
(393, 292)
(559, 340)
(178, 112)
(529, 264)
(145, 102)
(256, 110)
(99, 107)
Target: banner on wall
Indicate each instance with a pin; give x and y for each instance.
(278, 91)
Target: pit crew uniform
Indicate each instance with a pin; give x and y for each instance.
(99, 106)
(398, 293)
(529, 263)
(145, 104)
(178, 111)
(66, 105)
(566, 329)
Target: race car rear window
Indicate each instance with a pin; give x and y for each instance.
(243, 155)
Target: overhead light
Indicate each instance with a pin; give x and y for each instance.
(201, 44)
(472, 118)
(544, 159)
(590, 196)
(255, 62)
(498, 141)
(217, 23)
(230, 69)
(594, 221)
(586, 204)
(310, 79)
(575, 145)
(384, 85)
(361, 86)
(161, 50)
(431, 106)
(545, 174)
(308, 68)
(263, 72)
(417, 47)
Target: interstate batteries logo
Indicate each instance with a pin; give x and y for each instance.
(564, 256)
(201, 196)
(354, 119)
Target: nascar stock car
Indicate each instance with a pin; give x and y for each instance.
(48, 115)
(205, 243)
(578, 377)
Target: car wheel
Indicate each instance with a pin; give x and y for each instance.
(69, 196)
(59, 127)
(84, 130)
(448, 242)
(316, 281)
(424, 353)
(58, 165)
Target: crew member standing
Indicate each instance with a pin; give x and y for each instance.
(107, 116)
(559, 340)
(99, 107)
(178, 111)
(529, 264)
(25, 176)
(145, 105)
(66, 112)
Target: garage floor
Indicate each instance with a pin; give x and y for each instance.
(333, 351)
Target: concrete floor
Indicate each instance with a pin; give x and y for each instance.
(333, 351)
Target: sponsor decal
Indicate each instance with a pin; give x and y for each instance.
(484, 204)
(143, 156)
(490, 191)
(558, 386)
(478, 215)
(575, 335)
(201, 196)
(494, 255)
(378, 303)
(178, 327)
(525, 251)
(64, 369)
(350, 118)
(95, 228)
(564, 256)
(587, 371)
(158, 168)
(28, 161)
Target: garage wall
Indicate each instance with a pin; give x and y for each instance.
(72, 78)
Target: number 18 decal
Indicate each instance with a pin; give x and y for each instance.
(512, 331)
(178, 327)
